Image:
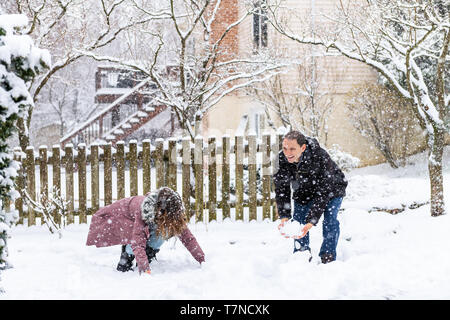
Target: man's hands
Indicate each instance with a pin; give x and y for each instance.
(305, 229)
(282, 222)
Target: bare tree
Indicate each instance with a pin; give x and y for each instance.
(379, 114)
(67, 28)
(190, 63)
(407, 41)
(302, 99)
(58, 99)
(68, 94)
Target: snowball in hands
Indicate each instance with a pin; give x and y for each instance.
(292, 228)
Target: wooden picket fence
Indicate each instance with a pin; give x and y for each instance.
(87, 176)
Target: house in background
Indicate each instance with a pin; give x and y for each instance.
(256, 34)
(124, 97)
(124, 105)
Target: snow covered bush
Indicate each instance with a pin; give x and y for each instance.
(344, 160)
(380, 115)
(20, 61)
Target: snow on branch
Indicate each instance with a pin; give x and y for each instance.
(52, 207)
(390, 36)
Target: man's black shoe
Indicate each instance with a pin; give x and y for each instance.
(327, 258)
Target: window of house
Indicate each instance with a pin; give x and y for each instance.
(112, 80)
(260, 24)
(117, 79)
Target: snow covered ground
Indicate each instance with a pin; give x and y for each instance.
(380, 256)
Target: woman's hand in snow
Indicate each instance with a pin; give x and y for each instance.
(146, 272)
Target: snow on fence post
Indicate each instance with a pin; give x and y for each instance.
(265, 150)
(68, 165)
(198, 172)
(186, 175)
(252, 198)
(239, 171)
(225, 177)
(212, 179)
(172, 165)
(159, 163)
(56, 175)
(81, 166)
(133, 160)
(18, 204)
(30, 182)
(146, 170)
(95, 180)
(107, 173)
(120, 163)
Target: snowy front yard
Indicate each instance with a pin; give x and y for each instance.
(380, 256)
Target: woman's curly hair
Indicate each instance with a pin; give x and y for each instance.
(170, 215)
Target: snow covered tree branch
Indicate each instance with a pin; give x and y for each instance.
(305, 106)
(67, 28)
(407, 42)
(52, 207)
(188, 61)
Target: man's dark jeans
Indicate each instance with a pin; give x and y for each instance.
(330, 227)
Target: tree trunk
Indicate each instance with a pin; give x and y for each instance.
(24, 139)
(435, 172)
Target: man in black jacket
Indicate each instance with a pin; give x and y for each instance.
(318, 187)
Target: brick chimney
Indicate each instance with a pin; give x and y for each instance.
(227, 14)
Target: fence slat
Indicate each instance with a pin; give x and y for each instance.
(120, 163)
(226, 177)
(56, 176)
(198, 172)
(30, 183)
(43, 170)
(186, 176)
(172, 165)
(266, 176)
(159, 163)
(133, 160)
(107, 174)
(68, 165)
(95, 180)
(252, 183)
(43, 173)
(239, 175)
(146, 168)
(276, 148)
(212, 177)
(81, 166)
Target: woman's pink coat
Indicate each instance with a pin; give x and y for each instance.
(121, 223)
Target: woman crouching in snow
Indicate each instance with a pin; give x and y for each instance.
(141, 224)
